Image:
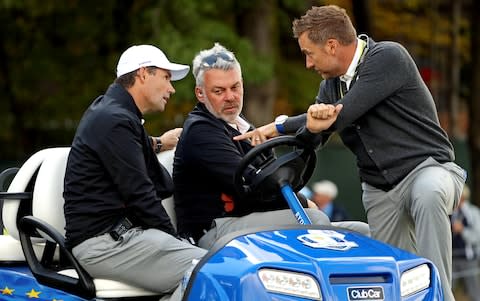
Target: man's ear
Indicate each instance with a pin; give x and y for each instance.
(331, 46)
(141, 74)
(199, 94)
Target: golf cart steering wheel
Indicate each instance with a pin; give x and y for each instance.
(263, 172)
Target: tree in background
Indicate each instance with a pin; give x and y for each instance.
(474, 103)
(56, 56)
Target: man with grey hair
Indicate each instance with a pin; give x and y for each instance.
(207, 157)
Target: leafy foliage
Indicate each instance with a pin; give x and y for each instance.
(57, 56)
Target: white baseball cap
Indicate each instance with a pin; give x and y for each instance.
(139, 56)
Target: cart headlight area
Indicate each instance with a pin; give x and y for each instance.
(290, 283)
(415, 280)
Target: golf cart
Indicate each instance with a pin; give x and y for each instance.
(291, 262)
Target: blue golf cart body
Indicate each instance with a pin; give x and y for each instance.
(291, 262)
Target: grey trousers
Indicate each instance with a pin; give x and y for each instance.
(414, 215)
(227, 225)
(150, 259)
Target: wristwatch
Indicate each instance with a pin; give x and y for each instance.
(279, 121)
(157, 144)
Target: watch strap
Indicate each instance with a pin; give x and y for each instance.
(280, 128)
(279, 121)
(157, 144)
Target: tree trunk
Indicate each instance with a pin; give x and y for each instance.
(474, 103)
(455, 65)
(257, 24)
(361, 15)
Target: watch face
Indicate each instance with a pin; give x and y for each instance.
(281, 119)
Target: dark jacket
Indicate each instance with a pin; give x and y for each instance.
(112, 171)
(389, 119)
(206, 160)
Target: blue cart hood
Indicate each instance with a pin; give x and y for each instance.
(338, 259)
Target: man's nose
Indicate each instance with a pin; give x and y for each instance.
(229, 95)
(172, 89)
(308, 63)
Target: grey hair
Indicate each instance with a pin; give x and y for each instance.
(198, 68)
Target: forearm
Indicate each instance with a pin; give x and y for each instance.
(167, 141)
(294, 123)
(312, 139)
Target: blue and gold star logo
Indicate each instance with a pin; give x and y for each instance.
(33, 294)
(7, 291)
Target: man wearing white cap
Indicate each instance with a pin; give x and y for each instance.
(324, 194)
(115, 222)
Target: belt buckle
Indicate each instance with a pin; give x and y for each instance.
(121, 228)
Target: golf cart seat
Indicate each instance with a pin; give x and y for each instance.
(17, 202)
(166, 159)
(47, 219)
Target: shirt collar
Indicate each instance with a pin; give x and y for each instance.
(122, 96)
(241, 125)
(348, 76)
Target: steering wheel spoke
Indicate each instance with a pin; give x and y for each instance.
(266, 168)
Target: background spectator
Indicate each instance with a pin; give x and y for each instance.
(324, 194)
(466, 245)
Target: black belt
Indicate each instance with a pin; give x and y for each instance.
(121, 228)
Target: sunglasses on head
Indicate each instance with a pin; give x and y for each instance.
(210, 60)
